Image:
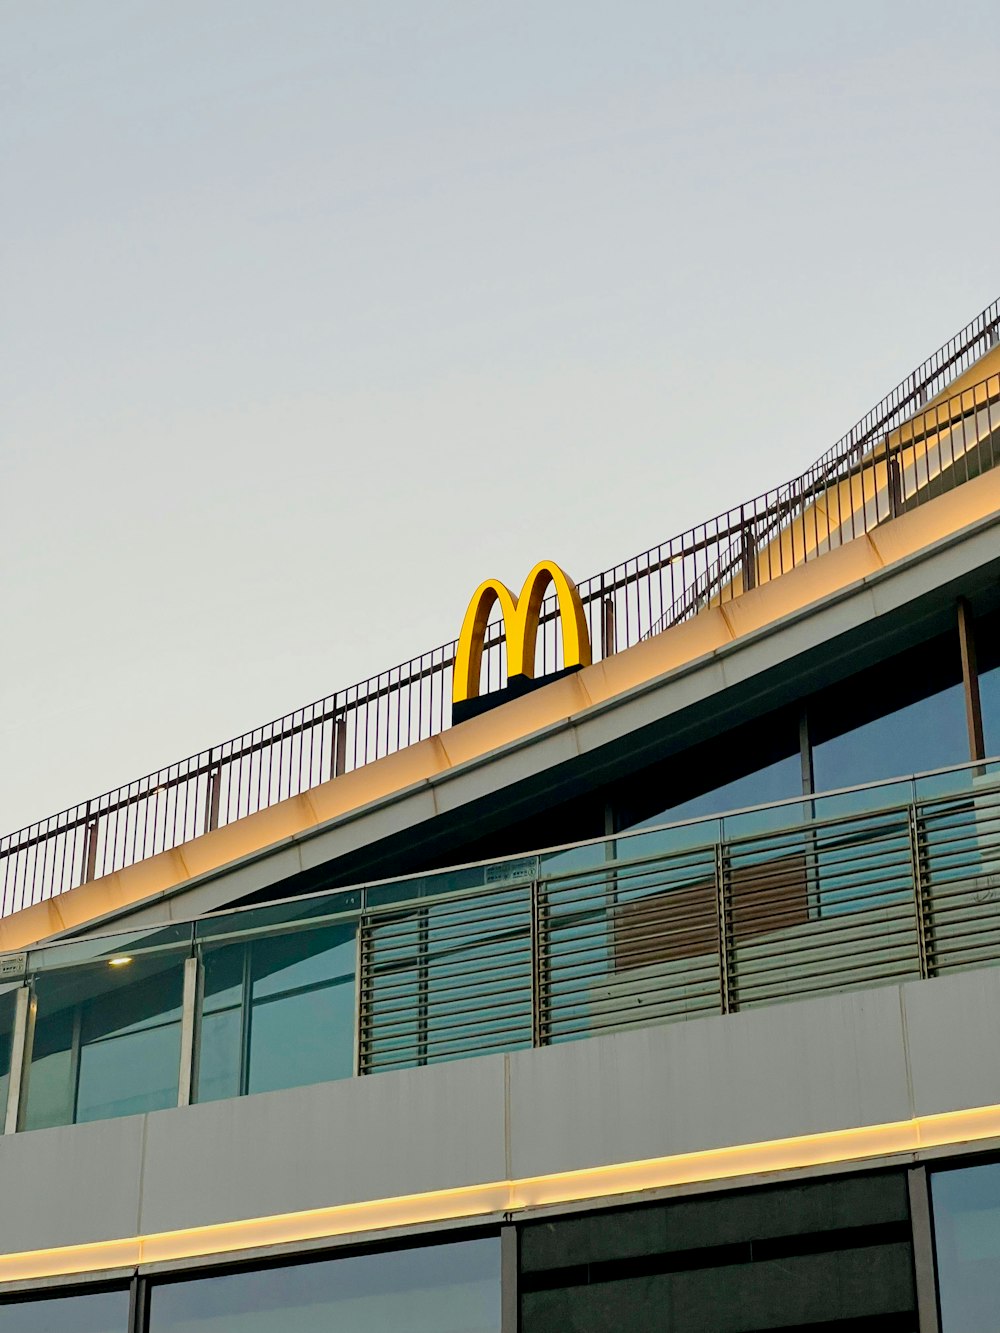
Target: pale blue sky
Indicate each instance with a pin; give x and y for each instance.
(309, 308)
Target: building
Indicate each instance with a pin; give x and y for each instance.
(660, 992)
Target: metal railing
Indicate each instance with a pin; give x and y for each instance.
(862, 899)
(890, 461)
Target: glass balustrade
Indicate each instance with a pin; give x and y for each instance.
(868, 886)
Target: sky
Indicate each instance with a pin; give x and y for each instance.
(315, 314)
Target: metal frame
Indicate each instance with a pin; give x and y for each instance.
(922, 1227)
(749, 544)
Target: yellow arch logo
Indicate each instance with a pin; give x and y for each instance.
(520, 615)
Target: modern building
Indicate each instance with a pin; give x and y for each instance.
(659, 990)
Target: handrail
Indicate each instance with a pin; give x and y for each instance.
(752, 543)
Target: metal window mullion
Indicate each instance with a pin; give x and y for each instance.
(922, 1230)
(21, 1036)
(138, 1304)
(245, 1021)
(189, 1014)
(970, 681)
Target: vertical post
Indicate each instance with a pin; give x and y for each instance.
(338, 746)
(212, 799)
(423, 984)
(509, 1313)
(920, 905)
(923, 1249)
(895, 484)
(89, 847)
(970, 681)
(539, 988)
(809, 810)
(138, 1304)
(749, 558)
(724, 931)
(18, 1054)
(359, 997)
(607, 626)
(189, 1013)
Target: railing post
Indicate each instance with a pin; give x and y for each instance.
(920, 902)
(607, 626)
(539, 968)
(212, 796)
(338, 746)
(895, 485)
(749, 558)
(89, 847)
(724, 920)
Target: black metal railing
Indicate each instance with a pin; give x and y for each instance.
(892, 460)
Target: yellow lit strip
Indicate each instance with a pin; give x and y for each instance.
(808, 1150)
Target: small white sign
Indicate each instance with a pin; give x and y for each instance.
(513, 872)
(12, 965)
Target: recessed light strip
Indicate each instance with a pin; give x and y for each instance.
(717, 1164)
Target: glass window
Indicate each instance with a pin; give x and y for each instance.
(93, 1312)
(7, 1005)
(106, 1041)
(967, 1236)
(930, 733)
(989, 698)
(438, 1289)
(903, 716)
(278, 1012)
(750, 765)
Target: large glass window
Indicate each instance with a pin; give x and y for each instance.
(278, 1012)
(106, 1040)
(967, 1236)
(988, 652)
(904, 716)
(750, 765)
(93, 1312)
(989, 697)
(451, 1288)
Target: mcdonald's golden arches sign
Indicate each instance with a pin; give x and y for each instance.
(520, 615)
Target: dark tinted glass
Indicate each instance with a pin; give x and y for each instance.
(748, 765)
(989, 695)
(903, 716)
(440, 1289)
(101, 1312)
(967, 1235)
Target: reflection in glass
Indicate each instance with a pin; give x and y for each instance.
(106, 1041)
(278, 1012)
(989, 698)
(967, 1234)
(930, 733)
(451, 1288)
(7, 1006)
(776, 782)
(95, 1312)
